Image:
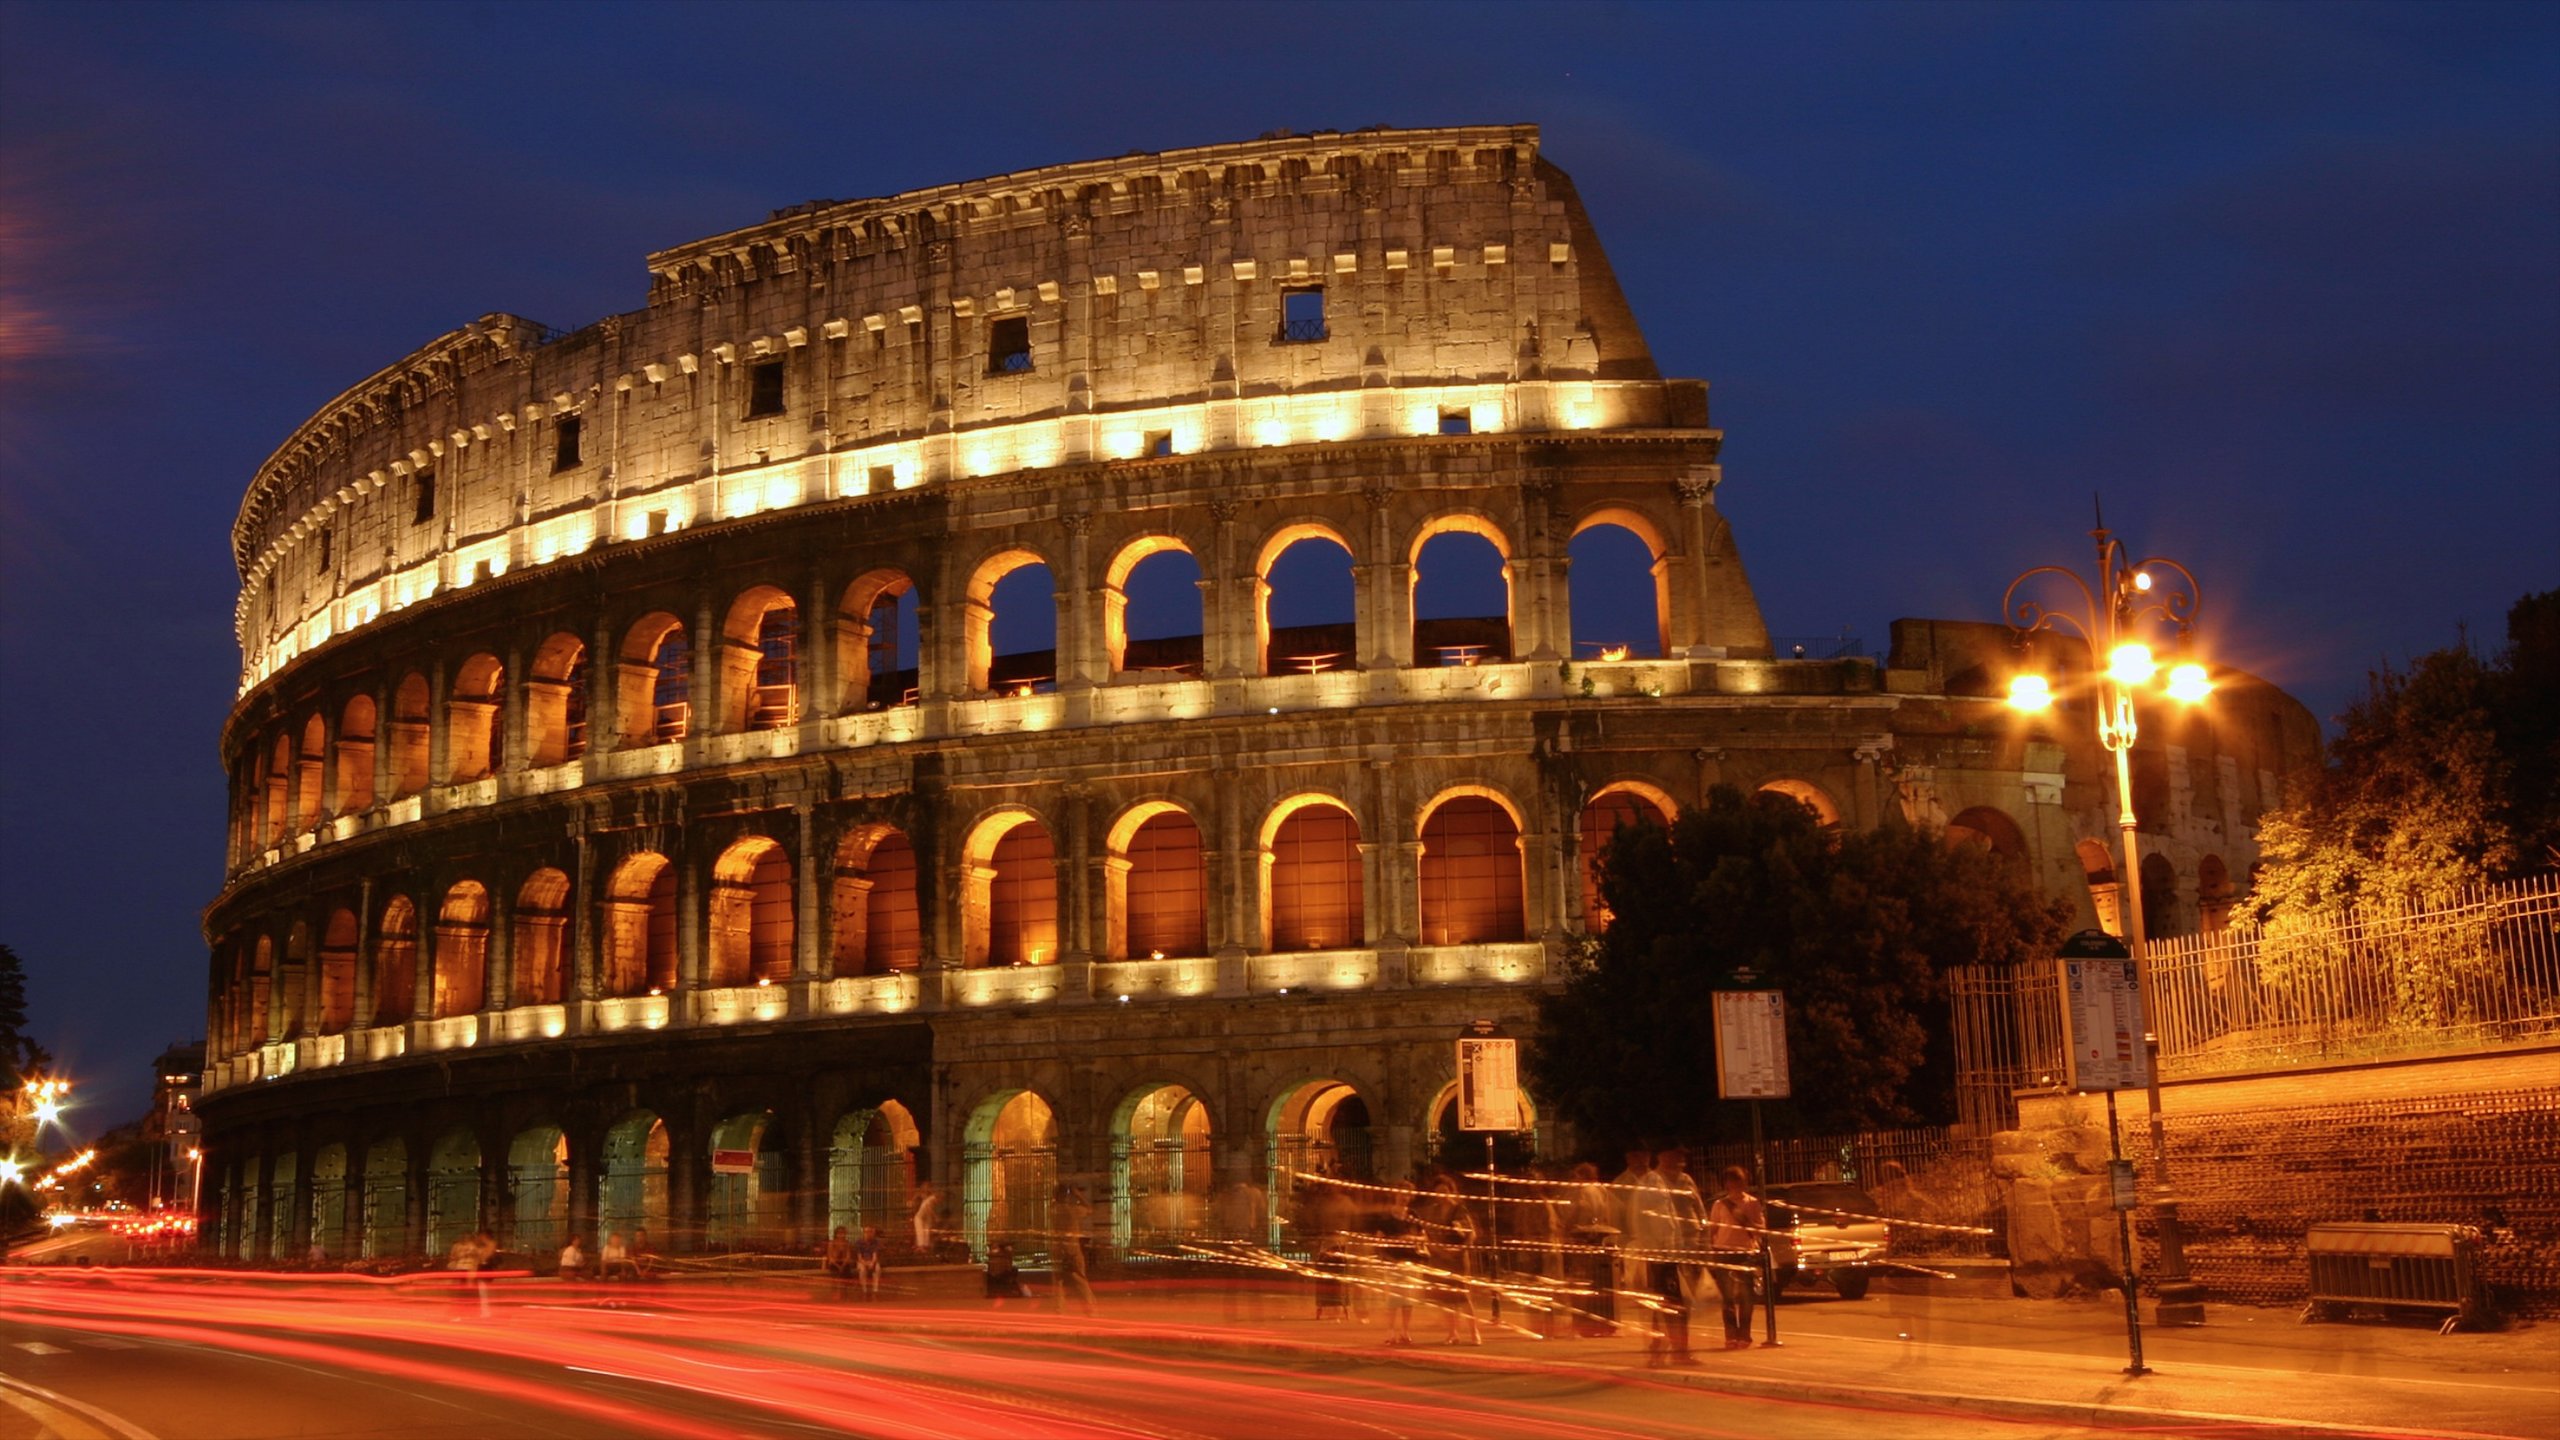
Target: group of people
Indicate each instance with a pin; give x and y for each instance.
(620, 1259)
(854, 1263)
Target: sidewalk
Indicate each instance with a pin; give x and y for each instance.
(2060, 1361)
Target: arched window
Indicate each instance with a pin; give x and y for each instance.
(653, 694)
(293, 982)
(1159, 885)
(1313, 886)
(338, 973)
(409, 720)
(877, 924)
(355, 756)
(1306, 608)
(537, 958)
(760, 671)
(1471, 868)
(462, 951)
(1615, 585)
(640, 928)
(279, 780)
(308, 770)
(1615, 808)
(1990, 829)
(1012, 625)
(1010, 910)
(1461, 594)
(255, 1016)
(1811, 796)
(474, 740)
(1151, 610)
(555, 702)
(878, 641)
(751, 915)
(395, 962)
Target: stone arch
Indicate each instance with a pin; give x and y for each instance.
(538, 1172)
(1009, 896)
(538, 955)
(1176, 649)
(1009, 1166)
(1456, 1149)
(453, 1189)
(1161, 1166)
(878, 919)
(385, 1229)
(1314, 883)
(879, 641)
(749, 1204)
(1612, 807)
(338, 972)
(640, 927)
(310, 764)
(1158, 879)
(1459, 637)
(631, 1180)
(395, 961)
(1320, 1127)
(760, 661)
(293, 981)
(751, 915)
(278, 777)
(410, 704)
(475, 744)
(1306, 644)
(871, 1167)
(1030, 670)
(1604, 599)
(329, 1201)
(1989, 829)
(461, 957)
(1472, 876)
(555, 702)
(1806, 793)
(354, 753)
(653, 683)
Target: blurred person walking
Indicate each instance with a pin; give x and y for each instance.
(1735, 1232)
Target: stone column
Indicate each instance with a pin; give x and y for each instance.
(689, 925)
(513, 687)
(604, 695)
(498, 978)
(361, 1008)
(583, 916)
(1226, 611)
(1078, 640)
(439, 730)
(811, 904)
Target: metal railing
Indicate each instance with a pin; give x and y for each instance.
(1300, 332)
(1937, 1175)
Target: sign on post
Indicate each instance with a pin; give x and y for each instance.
(1751, 1045)
(1488, 1079)
(2102, 1015)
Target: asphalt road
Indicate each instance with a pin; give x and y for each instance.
(216, 1358)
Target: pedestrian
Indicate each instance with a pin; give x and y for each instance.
(1666, 1229)
(1069, 1217)
(573, 1259)
(1629, 1270)
(1399, 1260)
(927, 1220)
(866, 1262)
(1596, 1234)
(1448, 1247)
(1737, 1228)
(1004, 1277)
(837, 1265)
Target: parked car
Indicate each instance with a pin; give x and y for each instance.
(1820, 1236)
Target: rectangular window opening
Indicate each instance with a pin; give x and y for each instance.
(1159, 444)
(1009, 346)
(764, 388)
(325, 549)
(1457, 420)
(564, 450)
(884, 478)
(1302, 315)
(424, 493)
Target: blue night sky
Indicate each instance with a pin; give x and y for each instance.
(2281, 281)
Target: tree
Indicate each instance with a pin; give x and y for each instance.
(18, 1055)
(1856, 929)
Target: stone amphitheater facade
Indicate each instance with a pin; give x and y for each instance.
(639, 816)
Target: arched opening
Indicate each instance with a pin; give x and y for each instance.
(1470, 883)
(1318, 1128)
(760, 666)
(1313, 889)
(1009, 911)
(255, 1016)
(2161, 913)
(240, 1215)
(1011, 632)
(338, 973)
(386, 1200)
(653, 686)
(462, 952)
(749, 1205)
(1985, 828)
(409, 724)
(878, 639)
(1811, 796)
(293, 982)
(2106, 894)
(395, 962)
(1160, 1169)
(879, 928)
(1159, 897)
(871, 1168)
(1151, 608)
(1011, 1164)
(1461, 593)
(355, 756)
(475, 744)
(538, 956)
(1307, 603)
(279, 781)
(1615, 588)
(640, 928)
(631, 1184)
(1456, 1149)
(2214, 895)
(555, 702)
(538, 1164)
(751, 915)
(309, 767)
(1616, 807)
(329, 1202)
(453, 1190)
(282, 1205)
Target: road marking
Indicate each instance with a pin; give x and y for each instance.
(63, 1418)
(109, 1342)
(38, 1347)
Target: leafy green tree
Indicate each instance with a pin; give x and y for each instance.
(19, 1055)
(1856, 929)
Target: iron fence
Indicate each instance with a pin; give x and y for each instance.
(1939, 1175)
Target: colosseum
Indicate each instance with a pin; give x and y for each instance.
(964, 687)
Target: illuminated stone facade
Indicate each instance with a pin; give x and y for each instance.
(639, 815)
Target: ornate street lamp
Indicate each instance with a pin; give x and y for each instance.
(2132, 599)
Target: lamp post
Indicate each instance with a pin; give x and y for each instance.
(2132, 598)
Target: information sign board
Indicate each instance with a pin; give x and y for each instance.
(733, 1162)
(1488, 1079)
(1751, 1045)
(2102, 1025)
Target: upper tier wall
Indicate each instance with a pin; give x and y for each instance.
(1056, 317)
